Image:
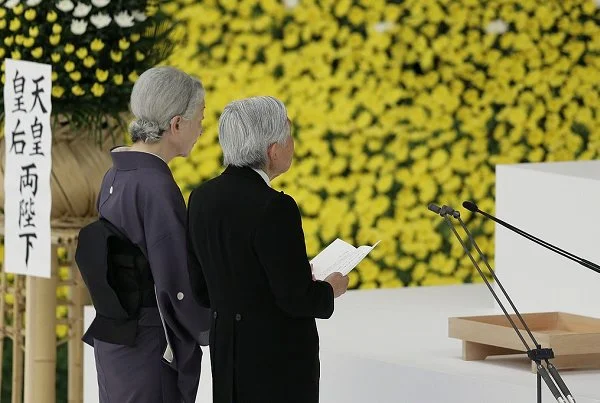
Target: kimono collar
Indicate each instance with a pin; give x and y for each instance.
(126, 159)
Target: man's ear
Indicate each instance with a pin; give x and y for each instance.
(272, 152)
(175, 122)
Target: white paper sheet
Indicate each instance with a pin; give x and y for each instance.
(339, 256)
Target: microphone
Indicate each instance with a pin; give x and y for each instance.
(444, 210)
(449, 210)
(469, 205)
(434, 207)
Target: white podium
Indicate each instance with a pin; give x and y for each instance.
(559, 203)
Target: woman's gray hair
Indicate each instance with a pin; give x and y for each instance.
(248, 127)
(158, 95)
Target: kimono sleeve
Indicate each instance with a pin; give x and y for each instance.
(164, 216)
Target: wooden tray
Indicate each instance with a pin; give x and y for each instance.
(574, 339)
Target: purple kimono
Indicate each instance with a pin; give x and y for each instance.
(140, 197)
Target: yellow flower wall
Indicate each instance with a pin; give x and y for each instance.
(398, 105)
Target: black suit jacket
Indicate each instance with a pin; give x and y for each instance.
(249, 264)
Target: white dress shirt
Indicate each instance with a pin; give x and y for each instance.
(263, 175)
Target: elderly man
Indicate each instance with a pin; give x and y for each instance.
(249, 264)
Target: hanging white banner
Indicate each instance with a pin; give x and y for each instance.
(28, 146)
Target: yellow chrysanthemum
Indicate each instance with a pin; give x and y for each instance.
(28, 42)
(97, 89)
(51, 17)
(89, 62)
(57, 91)
(101, 75)
(81, 53)
(133, 76)
(97, 45)
(151, 10)
(75, 76)
(62, 331)
(54, 40)
(61, 253)
(61, 311)
(18, 9)
(77, 90)
(69, 66)
(116, 56)
(14, 25)
(123, 44)
(30, 14)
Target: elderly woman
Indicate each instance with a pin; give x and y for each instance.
(146, 343)
(247, 247)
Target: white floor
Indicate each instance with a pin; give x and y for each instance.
(389, 346)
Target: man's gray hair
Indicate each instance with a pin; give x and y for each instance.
(158, 95)
(248, 127)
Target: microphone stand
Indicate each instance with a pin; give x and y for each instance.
(584, 262)
(538, 353)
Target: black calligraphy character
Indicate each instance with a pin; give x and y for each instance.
(28, 179)
(37, 129)
(36, 93)
(26, 213)
(28, 244)
(19, 83)
(19, 87)
(18, 144)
